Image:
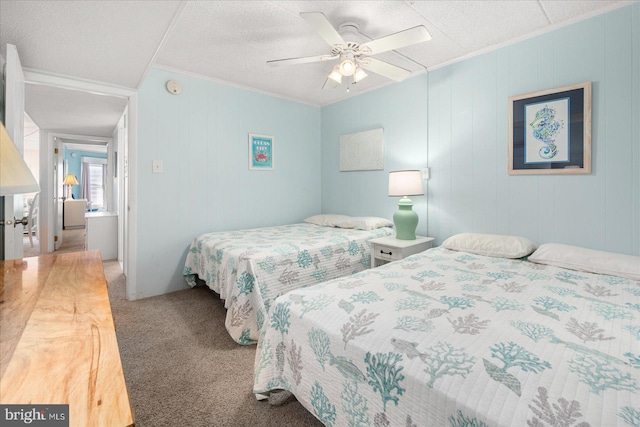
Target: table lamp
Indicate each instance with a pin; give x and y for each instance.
(70, 180)
(403, 184)
(15, 176)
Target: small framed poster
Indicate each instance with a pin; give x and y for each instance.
(260, 152)
(550, 131)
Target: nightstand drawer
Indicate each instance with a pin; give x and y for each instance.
(387, 249)
(388, 253)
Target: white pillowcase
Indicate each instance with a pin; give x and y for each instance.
(589, 260)
(493, 245)
(327, 220)
(364, 222)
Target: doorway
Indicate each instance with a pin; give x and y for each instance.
(67, 108)
(85, 166)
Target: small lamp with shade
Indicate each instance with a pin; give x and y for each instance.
(15, 176)
(402, 184)
(69, 181)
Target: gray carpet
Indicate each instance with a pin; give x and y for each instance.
(72, 241)
(181, 366)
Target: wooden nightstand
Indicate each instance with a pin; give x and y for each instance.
(386, 249)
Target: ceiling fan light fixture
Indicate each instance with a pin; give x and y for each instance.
(359, 75)
(347, 67)
(335, 75)
(353, 55)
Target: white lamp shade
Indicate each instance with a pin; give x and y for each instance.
(405, 183)
(15, 176)
(70, 179)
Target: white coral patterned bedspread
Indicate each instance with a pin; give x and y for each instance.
(447, 338)
(250, 268)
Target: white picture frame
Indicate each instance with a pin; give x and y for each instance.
(362, 151)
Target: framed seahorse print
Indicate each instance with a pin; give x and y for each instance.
(550, 131)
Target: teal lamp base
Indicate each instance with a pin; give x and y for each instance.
(405, 220)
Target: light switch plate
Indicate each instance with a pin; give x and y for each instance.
(157, 166)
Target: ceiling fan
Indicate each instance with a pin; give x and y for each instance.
(354, 57)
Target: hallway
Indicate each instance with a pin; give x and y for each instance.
(72, 241)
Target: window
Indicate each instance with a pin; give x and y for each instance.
(94, 181)
(96, 185)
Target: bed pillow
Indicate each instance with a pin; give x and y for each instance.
(588, 260)
(364, 222)
(326, 220)
(493, 245)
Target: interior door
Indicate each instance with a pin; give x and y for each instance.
(14, 123)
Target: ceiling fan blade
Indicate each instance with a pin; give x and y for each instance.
(404, 38)
(302, 60)
(385, 69)
(330, 84)
(321, 24)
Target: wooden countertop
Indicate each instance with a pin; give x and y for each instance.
(57, 339)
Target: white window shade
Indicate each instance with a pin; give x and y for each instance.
(94, 172)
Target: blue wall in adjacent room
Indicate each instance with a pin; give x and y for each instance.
(74, 167)
(201, 136)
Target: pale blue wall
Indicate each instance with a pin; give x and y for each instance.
(635, 128)
(457, 119)
(453, 119)
(201, 136)
(401, 110)
(471, 190)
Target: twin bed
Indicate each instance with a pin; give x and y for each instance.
(472, 333)
(251, 268)
(454, 338)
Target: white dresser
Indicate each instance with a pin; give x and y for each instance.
(102, 233)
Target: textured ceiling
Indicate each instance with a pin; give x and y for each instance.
(105, 41)
(115, 42)
(71, 111)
